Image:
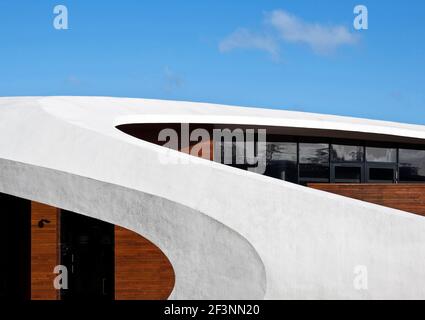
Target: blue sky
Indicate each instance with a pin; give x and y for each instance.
(296, 54)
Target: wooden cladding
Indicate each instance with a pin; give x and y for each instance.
(142, 271)
(44, 251)
(406, 197)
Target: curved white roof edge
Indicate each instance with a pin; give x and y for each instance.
(132, 110)
(295, 242)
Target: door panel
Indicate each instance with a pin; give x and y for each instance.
(87, 250)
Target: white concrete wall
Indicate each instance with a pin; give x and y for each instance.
(210, 260)
(266, 238)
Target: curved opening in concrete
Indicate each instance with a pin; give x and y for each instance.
(321, 159)
(150, 132)
(99, 260)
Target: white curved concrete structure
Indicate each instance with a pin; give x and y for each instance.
(229, 234)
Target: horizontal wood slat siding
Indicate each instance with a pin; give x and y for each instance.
(44, 252)
(406, 197)
(142, 271)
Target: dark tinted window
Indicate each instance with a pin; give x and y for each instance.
(315, 153)
(412, 165)
(314, 171)
(381, 174)
(343, 153)
(282, 151)
(381, 154)
(349, 174)
(314, 161)
(282, 161)
(286, 171)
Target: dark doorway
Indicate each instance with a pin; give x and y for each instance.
(87, 250)
(15, 246)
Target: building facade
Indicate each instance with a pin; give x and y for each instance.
(96, 187)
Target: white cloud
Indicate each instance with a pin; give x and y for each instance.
(287, 28)
(323, 39)
(244, 39)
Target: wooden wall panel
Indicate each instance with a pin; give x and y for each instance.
(406, 197)
(44, 252)
(142, 271)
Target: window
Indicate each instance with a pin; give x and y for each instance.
(314, 162)
(349, 174)
(282, 161)
(388, 155)
(381, 174)
(345, 153)
(282, 151)
(343, 162)
(314, 153)
(412, 165)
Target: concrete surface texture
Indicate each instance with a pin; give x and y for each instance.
(228, 233)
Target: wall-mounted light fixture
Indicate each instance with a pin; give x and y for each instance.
(42, 222)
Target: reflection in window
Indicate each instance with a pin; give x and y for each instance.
(381, 154)
(343, 153)
(282, 151)
(412, 165)
(317, 153)
(282, 161)
(314, 161)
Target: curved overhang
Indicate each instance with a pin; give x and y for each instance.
(85, 112)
